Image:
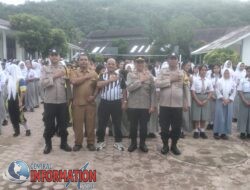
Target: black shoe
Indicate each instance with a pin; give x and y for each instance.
(47, 149)
(234, 120)
(16, 134)
(242, 136)
(28, 133)
(66, 147)
(248, 136)
(36, 106)
(182, 136)
(132, 147)
(210, 126)
(203, 135)
(110, 133)
(224, 137)
(151, 135)
(77, 148)
(91, 147)
(165, 149)
(175, 150)
(216, 136)
(196, 135)
(144, 147)
(5, 122)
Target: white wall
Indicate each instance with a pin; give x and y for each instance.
(246, 51)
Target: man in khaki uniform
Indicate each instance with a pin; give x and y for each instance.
(172, 100)
(84, 82)
(55, 103)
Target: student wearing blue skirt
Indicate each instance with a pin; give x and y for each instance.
(202, 89)
(225, 92)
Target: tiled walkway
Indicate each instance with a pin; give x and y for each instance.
(204, 164)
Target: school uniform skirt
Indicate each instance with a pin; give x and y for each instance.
(212, 104)
(223, 118)
(2, 109)
(236, 106)
(30, 95)
(243, 123)
(200, 113)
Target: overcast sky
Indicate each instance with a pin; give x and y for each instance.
(17, 2)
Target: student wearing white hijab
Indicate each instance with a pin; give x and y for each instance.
(23, 69)
(225, 94)
(244, 106)
(37, 69)
(16, 90)
(228, 65)
(2, 106)
(30, 94)
(239, 73)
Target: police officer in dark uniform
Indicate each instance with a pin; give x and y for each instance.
(55, 102)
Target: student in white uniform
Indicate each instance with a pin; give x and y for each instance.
(225, 93)
(214, 77)
(202, 89)
(2, 106)
(244, 106)
(30, 94)
(228, 65)
(239, 73)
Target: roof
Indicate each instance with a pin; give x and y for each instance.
(72, 46)
(114, 33)
(210, 34)
(4, 24)
(225, 41)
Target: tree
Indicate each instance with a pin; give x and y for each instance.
(58, 40)
(33, 32)
(181, 29)
(122, 46)
(220, 56)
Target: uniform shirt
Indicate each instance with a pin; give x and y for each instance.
(244, 85)
(171, 94)
(197, 85)
(54, 89)
(141, 95)
(3, 79)
(112, 91)
(31, 74)
(226, 89)
(82, 91)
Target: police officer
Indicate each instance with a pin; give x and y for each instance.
(55, 106)
(172, 100)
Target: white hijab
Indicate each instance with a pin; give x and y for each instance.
(227, 85)
(24, 70)
(229, 68)
(238, 73)
(14, 76)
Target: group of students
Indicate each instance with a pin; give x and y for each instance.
(183, 97)
(219, 96)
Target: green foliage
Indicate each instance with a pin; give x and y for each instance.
(165, 21)
(35, 34)
(220, 56)
(122, 46)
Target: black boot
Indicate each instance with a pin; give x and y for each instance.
(64, 145)
(133, 146)
(174, 148)
(17, 131)
(48, 146)
(28, 133)
(165, 148)
(143, 145)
